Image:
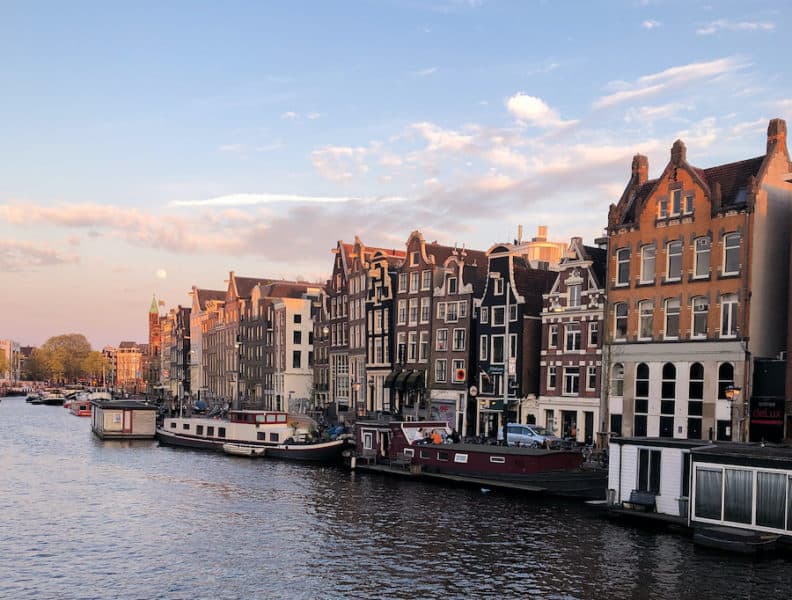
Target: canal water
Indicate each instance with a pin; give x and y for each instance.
(81, 518)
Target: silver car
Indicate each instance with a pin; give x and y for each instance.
(530, 436)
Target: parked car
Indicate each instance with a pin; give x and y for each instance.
(530, 435)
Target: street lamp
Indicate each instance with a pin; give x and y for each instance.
(355, 393)
(733, 393)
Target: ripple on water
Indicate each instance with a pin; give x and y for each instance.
(86, 519)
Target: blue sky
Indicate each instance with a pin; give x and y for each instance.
(150, 146)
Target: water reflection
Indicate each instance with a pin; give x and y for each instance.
(128, 519)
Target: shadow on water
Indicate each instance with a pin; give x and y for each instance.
(142, 521)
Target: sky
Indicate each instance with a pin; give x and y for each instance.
(147, 147)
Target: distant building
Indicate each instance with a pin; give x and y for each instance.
(128, 368)
(11, 351)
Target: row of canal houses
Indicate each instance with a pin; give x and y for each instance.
(664, 327)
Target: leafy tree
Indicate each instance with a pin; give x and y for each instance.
(36, 367)
(96, 364)
(64, 355)
(3, 365)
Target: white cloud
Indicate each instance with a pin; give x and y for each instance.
(340, 163)
(530, 110)
(313, 115)
(248, 149)
(726, 25)
(391, 160)
(650, 85)
(426, 72)
(257, 199)
(289, 115)
(649, 114)
(18, 255)
(651, 24)
(442, 139)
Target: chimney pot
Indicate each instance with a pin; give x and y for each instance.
(776, 135)
(678, 152)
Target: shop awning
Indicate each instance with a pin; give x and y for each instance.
(415, 381)
(398, 383)
(390, 379)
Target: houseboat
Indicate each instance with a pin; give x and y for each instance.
(123, 419)
(281, 435)
(80, 407)
(731, 496)
(407, 447)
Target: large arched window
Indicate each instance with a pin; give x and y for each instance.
(696, 385)
(668, 390)
(725, 379)
(641, 399)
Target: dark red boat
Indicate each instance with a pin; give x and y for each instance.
(401, 447)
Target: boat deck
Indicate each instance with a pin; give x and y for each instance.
(649, 517)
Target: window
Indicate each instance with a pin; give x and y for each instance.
(402, 317)
(725, 380)
(425, 309)
(688, 204)
(423, 350)
(426, 280)
(702, 247)
(593, 333)
(459, 339)
(552, 334)
(415, 279)
(210, 431)
(512, 312)
(296, 359)
(571, 381)
(573, 336)
(415, 258)
(441, 370)
(696, 385)
(551, 378)
(700, 312)
(199, 430)
(649, 470)
(402, 282)
(709, 493)
(452, 285)
(738, 495)
(648, 263)
(484, 314)
(483, 347)
(672, 319)
(441, 311)
(676, 202)
(298, 318)
(368, 441)
(667, 396)
(641, 399)
(186, 426)
(674, 271)
(401, 347)
(458, 366)
(463, 305)
(297, 337)
(591, 378)
(662, 210)
(412, 346)
(620, 321)
(513, 345)
(617, 380)
(441, 342)
(498, 315)
(452, 312)
(497, 356)
(728, 315)
(413, 311)
(731, 254)
(498, 285)
(221, 432)
(645, 314)
(623, 266)
(574, 295)
(695, 401)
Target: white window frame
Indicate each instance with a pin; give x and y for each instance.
(484, 315)
(574, 295)
(461, 347)
(495, 311)
(728, 248)
(729, 300)
(423, 346)
(498, 286)
(441, 311)
(403, 283)
(552, 377)
(426, 280)
(571, 374)
(483, 347)
(697, 312)
(552, 335)
(646, 276)
(412, 346)
(456, 365)
(441, 370)
(699, 253)
(616, 334)
(452, 312)
(499, 337)
(669, 302)
(412, 312)
(425, 310)
(571, 332)
(622, 258)
(451, 285)
(463, 304)
(415, 281)
(402, 314)
(591, 378)
(645, 311)
(441, 340)
(593, 332)
(669, 276)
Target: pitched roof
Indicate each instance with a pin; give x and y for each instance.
(288, 289)
(245, 285)
(205, 296)
(154, 310)
(732, 178)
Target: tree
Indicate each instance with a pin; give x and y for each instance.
(3, 365)
(95, 365)
(36, 367)
(64, 355)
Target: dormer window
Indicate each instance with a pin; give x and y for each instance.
(452, 285)
(688, 204)
(676, 202)
(663, 209)
(498, 287)
(574, 295)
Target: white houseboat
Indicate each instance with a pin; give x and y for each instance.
(123, 419)
(280, 434)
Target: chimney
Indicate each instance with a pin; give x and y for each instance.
(519, 234)
(678, 153)
(776, 135)
(640, 169)
(541, 234)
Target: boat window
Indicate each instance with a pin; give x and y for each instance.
(281, 418)
(270, 418)
(424, 454)
(738, 496)
(460, 458)
(186, 426)
(221, 432)
(274, 437)
(210, 431)
(498, 459)
(259, 418)
(173, 424)
(199, 429)
(409, 452)
(709, 493)
(770, 495)
(261, 436)
(442, 456)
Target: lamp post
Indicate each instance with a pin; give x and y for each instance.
(355, 396)
(733, 394)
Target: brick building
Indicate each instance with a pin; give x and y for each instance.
(694, 291)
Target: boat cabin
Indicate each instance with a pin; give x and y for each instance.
(124, 419)
(742, 486)
(386, 441)
(259, 417)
